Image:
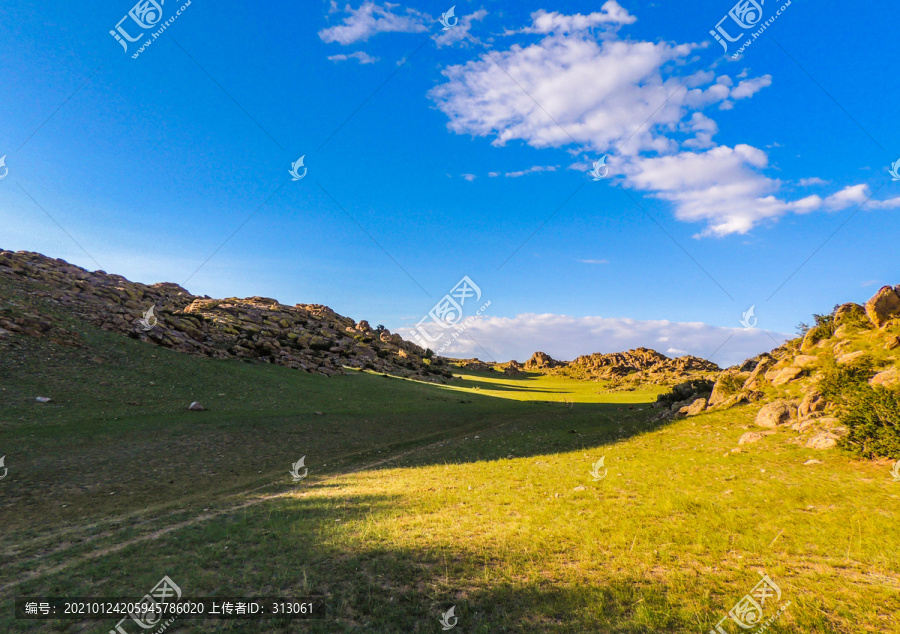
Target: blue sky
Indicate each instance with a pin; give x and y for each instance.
(432, 155)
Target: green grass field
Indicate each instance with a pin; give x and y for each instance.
(420, 497)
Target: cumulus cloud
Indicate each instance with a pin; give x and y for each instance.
(564, 337)
(635, 101)
(361, 56)
(460, 31)
(469, 177)
(815, 180)
(362, 23)
(611, 13)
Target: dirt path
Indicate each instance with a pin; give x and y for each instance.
(49, 570)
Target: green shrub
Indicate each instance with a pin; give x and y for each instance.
(870, 413)
(731, 383)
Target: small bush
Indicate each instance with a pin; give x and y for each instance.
(731, 383)
(871, 414)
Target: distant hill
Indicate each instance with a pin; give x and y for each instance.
(308, 337)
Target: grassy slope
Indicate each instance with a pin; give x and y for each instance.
(667, 542)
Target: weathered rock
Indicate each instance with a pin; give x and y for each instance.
(759, 372)
(43, 399)
(850, 357)
(694, 408)
(849, 312)
(196, 407)
(749, 438)
(824, 440)
(892, 343)
(803, 360)
(812, 403)
(541, 361)
(886, 378)
(304, 336)
(786, 376)
(883, 306)
(810, 339)
(727, 383)
(773, 414)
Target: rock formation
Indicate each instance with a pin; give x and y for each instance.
(308, 337)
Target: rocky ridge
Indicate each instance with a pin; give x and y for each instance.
(789, 379)
(308, 337)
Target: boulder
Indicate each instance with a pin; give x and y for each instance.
(850, 357)
(196, 407)
(786, 375)
(694, 408)
(810, 339)
(753, 381)
(824, 440)
(773, 414)
(886, 378)
(849, 313)
(884, 306)
(812, 403)
(803, 360)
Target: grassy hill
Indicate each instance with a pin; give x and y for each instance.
(419, 497)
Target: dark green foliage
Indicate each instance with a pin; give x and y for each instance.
(871, 414)
(429, 353)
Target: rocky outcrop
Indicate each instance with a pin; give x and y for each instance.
(541, 361)
(638, 366)
(308, 337)
(884, 306)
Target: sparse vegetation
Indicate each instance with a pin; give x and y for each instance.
(871, 413)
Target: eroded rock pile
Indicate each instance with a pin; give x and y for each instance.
(308, 337)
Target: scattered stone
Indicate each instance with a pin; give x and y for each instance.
(196, 407)
(774, 414)
(813, 461)
(749, 438)
(579, 488)
(43, 399)
(823, 440)
(318, 413)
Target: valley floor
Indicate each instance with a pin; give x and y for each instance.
(477, 495)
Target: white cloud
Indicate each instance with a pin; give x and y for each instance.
(361, 56)
(564, 337)
(362, 23)
(625, 98)
(594, 261)
(469, 177)
(531, 170)
(460, 31)
(611, 13)
(750, 87)
(815, 180)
